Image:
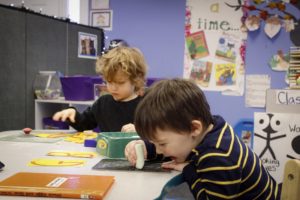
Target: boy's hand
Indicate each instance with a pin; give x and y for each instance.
(130, 153)
(173, 165)
(128, 128)
(64, 115)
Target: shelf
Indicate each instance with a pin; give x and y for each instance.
(47, 107)
(294, 68)
(63, 101)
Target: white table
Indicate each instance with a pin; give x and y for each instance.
(128, 184)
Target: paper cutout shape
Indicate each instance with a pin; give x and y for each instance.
(214, 7)
(288, 25)
(252, 22)
(272, 26)
(279, 62)
(52, 135)
(55, 163)
(77, 154)
(80, 137)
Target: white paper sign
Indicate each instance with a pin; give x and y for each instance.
(276, 140)
(288, 97)
(256, 86)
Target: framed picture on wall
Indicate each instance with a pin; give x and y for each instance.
(99, 4)
(102, 19)
(87, 45)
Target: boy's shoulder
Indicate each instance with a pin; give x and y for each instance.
(104, 98)
(107, 98)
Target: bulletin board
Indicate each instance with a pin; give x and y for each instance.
(260, 54)
(32, 42)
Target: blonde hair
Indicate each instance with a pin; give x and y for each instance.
(130, 60)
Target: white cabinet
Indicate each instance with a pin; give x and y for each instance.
(47, 107)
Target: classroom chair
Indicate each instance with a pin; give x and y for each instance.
(244, 129)
(291, 180)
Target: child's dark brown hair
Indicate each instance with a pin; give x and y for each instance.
(171, 105)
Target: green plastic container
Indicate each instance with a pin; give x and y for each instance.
(112, 144)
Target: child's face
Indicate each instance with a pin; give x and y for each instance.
(175, 145)
(121, 87)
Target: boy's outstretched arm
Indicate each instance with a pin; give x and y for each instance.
(173, 165)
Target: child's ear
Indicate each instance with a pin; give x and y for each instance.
(197, 127)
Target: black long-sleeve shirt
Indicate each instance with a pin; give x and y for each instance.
(107, 114)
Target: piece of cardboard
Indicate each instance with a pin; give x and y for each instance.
(56, 185)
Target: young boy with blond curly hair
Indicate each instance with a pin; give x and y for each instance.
(124, 71)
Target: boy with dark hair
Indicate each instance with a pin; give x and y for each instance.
(174, 115)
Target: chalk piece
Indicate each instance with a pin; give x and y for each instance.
(140, 161)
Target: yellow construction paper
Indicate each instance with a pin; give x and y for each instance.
(56, 162)
(51, 135)
(72, 154)
(80, 137)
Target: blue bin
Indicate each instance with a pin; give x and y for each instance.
(244, 129)
(79, 88)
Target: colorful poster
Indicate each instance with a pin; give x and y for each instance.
(201, 72)
(276, 140)
(212, 37)
(196, 44)
(225, 74)
(227, 49)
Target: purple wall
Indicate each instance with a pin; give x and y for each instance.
(157, 28)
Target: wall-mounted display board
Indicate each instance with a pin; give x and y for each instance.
(32, 42)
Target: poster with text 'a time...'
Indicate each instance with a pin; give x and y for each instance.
(215, 39)
(276, 140)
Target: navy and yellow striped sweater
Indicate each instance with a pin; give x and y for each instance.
(223, 167)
